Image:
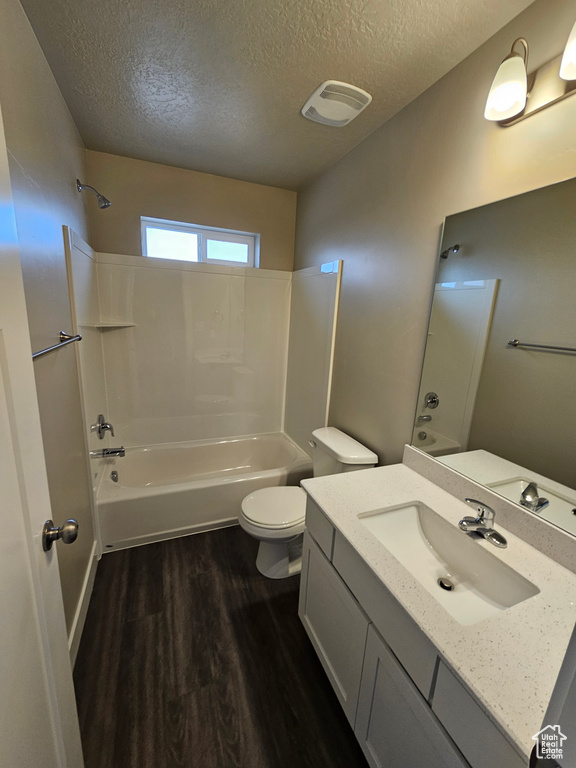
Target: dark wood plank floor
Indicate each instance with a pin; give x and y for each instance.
(190, 657)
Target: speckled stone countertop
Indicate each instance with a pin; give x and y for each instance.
(509, 661)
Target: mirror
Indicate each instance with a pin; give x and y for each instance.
(502, 414)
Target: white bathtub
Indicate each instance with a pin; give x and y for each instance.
(434, 443)
(170, 490)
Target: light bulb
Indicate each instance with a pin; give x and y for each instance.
(507, 96)
(568, 65)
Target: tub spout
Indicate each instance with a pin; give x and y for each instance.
(105, 453)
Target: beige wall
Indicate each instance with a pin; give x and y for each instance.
(380, 209)
(46, 155)
(137, 188)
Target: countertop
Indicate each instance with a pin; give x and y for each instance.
(509, 661)
(488, 469)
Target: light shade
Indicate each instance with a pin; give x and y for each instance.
(568, 65)
(507, 96)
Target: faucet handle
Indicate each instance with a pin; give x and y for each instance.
(101, 426)
(530, 493)
(485, 512)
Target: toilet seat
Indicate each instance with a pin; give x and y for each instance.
(277, 508)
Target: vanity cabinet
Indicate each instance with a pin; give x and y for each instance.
(394, 725)
(483, 744)
(407, 707)
(335, 623)
(409, 644)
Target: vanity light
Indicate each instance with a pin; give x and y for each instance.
(515, 96)
(568, 65)
(507, 97)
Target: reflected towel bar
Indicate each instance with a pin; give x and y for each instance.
(65, 338)
(516, 343)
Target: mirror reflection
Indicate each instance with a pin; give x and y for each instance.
(505, 413)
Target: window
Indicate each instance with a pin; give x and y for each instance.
(186, 242)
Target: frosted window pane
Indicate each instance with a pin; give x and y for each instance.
(168, 244)
(225, 251)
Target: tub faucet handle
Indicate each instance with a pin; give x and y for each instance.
(101, 426)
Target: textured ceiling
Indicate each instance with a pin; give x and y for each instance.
(217, 85)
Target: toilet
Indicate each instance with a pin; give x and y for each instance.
(276, 516)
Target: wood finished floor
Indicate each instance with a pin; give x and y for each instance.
(189, 657)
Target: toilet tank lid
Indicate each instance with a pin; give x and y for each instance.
(342, 447)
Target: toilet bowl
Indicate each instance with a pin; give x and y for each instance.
(276, 516)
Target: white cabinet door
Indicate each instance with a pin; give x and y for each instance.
(335, 623)
(394, 724)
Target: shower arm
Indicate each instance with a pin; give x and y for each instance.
(103, 202)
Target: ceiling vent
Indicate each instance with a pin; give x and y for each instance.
(335, 103)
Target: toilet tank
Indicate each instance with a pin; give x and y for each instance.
(333, 452)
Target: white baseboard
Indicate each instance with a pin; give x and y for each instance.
(82, 609)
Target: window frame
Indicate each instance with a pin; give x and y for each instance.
(251, 239)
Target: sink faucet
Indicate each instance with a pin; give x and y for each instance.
(531, 500)
(482, 524)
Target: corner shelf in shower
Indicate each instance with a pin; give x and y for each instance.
(108, 324)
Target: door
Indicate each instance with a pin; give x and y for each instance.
(38, 721)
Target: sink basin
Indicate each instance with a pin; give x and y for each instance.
(432, 549)
(559, 510)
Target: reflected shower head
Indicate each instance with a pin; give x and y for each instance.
(103, 202)
(448, 251)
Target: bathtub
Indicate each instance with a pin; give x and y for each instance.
(170, 490)
(433, 443)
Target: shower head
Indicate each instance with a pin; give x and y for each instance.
(103, 202)
(448, 251)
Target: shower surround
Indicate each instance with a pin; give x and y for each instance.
(188, 358)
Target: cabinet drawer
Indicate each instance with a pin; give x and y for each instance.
(335, 624)
(319, 527)
(479, 740)
(415, 652)
(395, 726)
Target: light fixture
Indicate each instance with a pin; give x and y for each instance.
(568, 64)
(507, 96)
(514, 96)
(103, 202)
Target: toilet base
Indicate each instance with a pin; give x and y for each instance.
(279, 560)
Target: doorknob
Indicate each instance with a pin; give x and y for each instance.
(50, 533)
